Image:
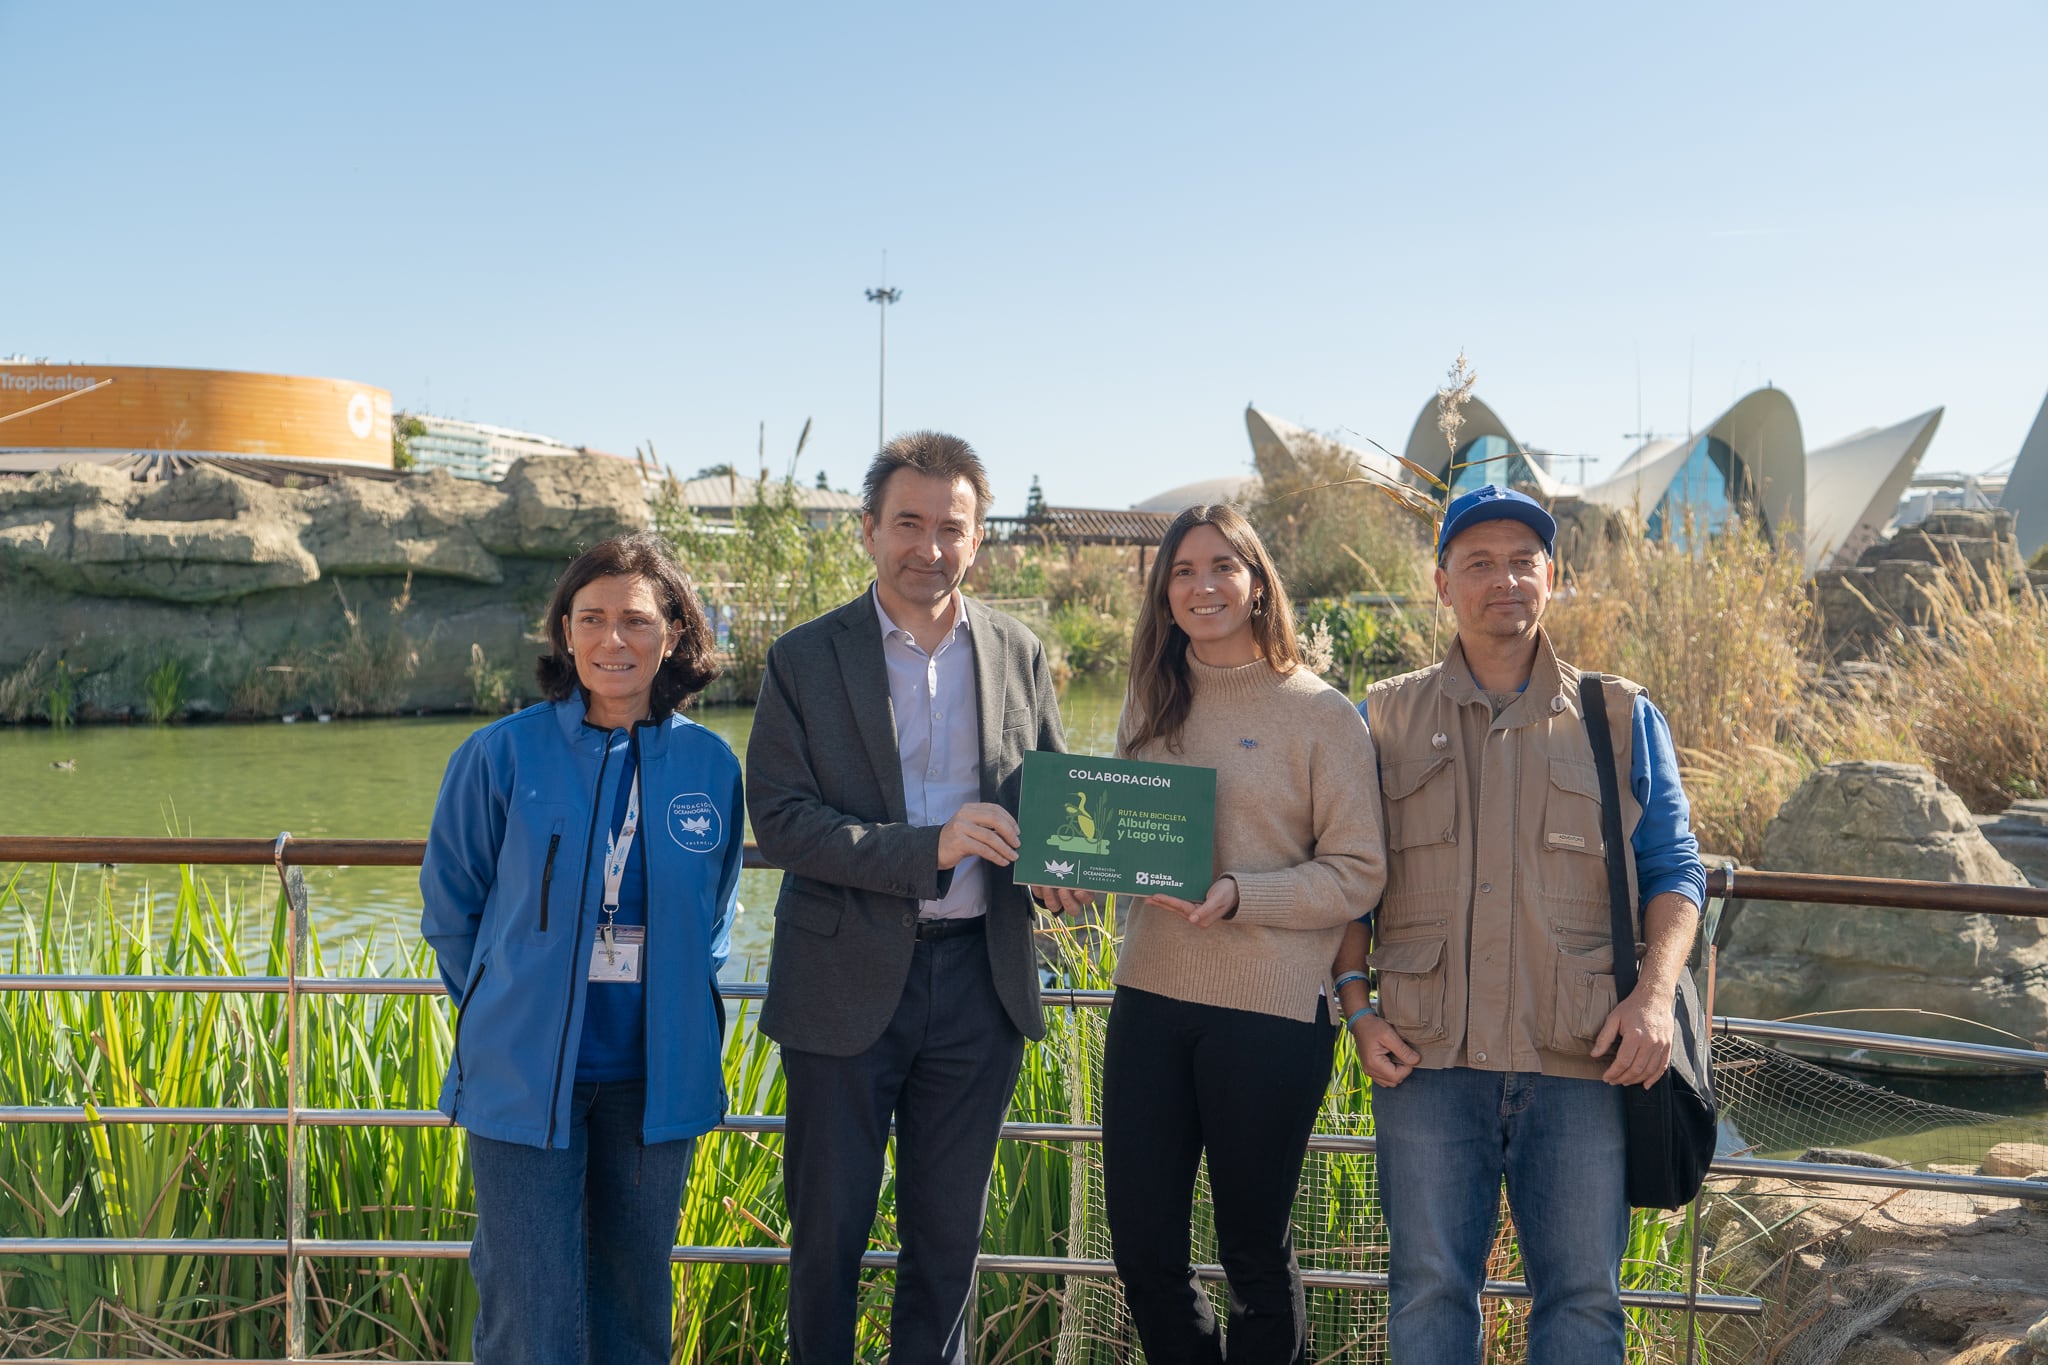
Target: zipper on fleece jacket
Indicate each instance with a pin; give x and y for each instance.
(547, 878)
(576, 946)
(462, 1012)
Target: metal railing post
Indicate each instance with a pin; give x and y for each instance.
(292, 883)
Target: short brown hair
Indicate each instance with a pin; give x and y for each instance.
(693, 663)
(933, 454)
(1160, 692)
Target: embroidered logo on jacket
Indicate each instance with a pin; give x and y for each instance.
(695, 823)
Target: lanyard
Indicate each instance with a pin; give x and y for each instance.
(618, 848)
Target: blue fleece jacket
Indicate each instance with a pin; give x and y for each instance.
(510, 891)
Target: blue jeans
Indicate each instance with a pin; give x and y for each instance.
(1447, 1138)
(570, 1256)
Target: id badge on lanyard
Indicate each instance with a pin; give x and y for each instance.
(616, 955)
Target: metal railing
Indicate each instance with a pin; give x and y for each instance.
(287, 856)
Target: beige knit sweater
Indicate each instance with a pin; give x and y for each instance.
(1298, 827)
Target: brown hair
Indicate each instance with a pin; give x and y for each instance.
(1161, 693)
(933, 454)
(689, 667)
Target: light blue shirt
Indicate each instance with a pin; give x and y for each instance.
(938, 742)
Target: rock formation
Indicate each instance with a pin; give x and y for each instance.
(1893, 582)
(2020, 834)
(265, 595)
(1885, 820)
(1858, 1275)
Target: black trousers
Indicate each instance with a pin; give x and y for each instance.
(1179, 1079)
(945, 1069)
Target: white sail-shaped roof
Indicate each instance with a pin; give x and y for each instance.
(2026, 488)
(1853, 487)
(1427, 447)
(1831, 502)
(1763, 431)
(1271, 435)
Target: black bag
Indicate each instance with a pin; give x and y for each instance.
(1671, 1125)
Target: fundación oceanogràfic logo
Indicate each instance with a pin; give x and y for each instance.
(694, 821)
(361, 416)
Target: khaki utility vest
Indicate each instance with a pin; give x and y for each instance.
(1494, 944)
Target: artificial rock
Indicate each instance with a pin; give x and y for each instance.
(238, 578)
(1870, 819)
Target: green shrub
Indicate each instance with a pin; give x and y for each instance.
(163, 689)
(60, 697)
(1013, 571)
(769, 572)
(1090, 640)
(490, 685)
(1367, 643)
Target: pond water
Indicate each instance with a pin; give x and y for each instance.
(378, 779)
(361, 779)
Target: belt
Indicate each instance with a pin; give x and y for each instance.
(931, 929)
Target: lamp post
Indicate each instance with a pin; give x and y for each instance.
(883, 296)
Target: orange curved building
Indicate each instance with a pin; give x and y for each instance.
(106, 411)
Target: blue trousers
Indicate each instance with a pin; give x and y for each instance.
(945, 1069)
(570, 1256)
(1447, 1139)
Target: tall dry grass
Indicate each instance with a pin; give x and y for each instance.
(1723, 637)
(1719, 635)
(1332, 532)
(1972, 688)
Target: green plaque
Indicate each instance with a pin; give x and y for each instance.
(1115, 824)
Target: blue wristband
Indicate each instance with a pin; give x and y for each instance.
(1348, 978)
(1358, 1014)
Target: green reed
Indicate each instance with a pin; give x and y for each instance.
(137, 1049)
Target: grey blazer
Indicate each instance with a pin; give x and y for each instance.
(825, 792)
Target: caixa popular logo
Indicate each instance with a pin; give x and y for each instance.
(694, 821)
(1157, 879)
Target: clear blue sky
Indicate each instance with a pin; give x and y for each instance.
(1113, 225)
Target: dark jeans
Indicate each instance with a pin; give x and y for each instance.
(571, 1250)
(1179, 1079)
(945, 1068)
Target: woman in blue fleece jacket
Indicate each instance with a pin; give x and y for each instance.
(578, 892)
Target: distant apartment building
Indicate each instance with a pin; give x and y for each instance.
(477, 450)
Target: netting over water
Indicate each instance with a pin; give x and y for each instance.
(1834, 1262)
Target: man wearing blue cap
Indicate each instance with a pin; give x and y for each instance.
(1497, 1048)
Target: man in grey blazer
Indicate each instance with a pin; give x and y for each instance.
(882, 777)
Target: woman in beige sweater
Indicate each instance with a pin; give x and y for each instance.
(1221, 1036)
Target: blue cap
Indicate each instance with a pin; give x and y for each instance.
(1489, 504)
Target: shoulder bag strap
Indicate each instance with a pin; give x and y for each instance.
(1593, 702)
